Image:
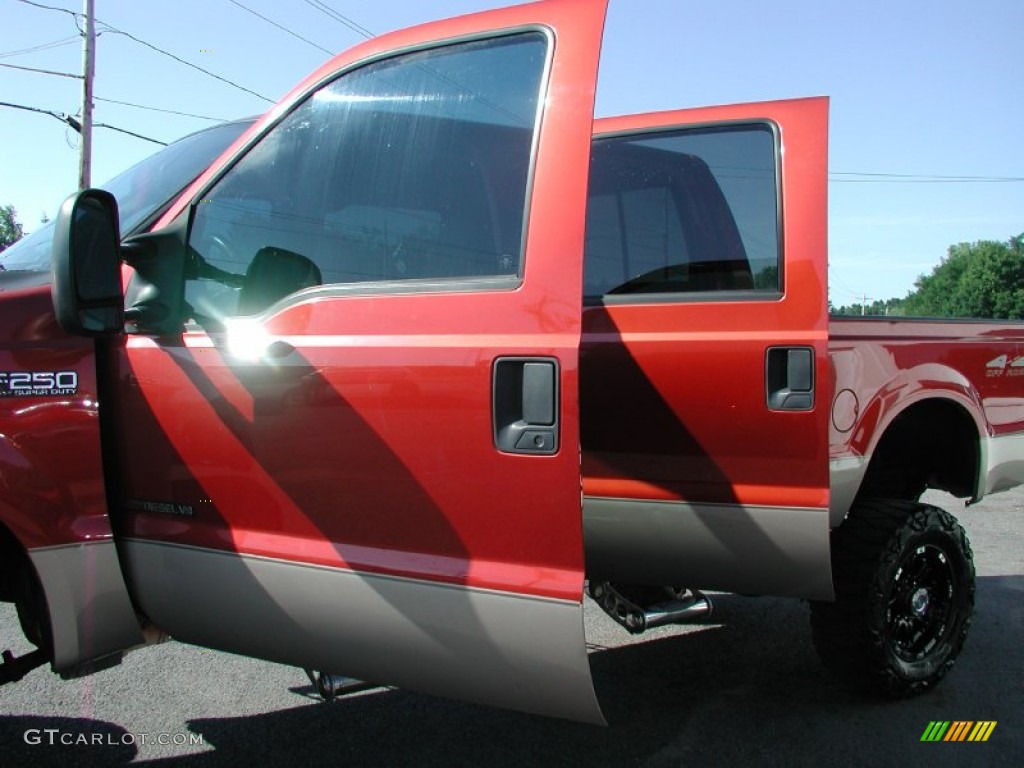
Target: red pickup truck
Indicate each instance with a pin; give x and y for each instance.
(335, 409)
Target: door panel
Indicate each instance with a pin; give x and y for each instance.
(704, 378)
(311, 472)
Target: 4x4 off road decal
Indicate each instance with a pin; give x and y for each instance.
(38, 383)
(1004, 365)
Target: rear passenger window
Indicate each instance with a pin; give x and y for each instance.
(413, 168)
(687, 212)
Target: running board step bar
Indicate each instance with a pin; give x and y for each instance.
(639, 608)
(14, 668)
(329, 686)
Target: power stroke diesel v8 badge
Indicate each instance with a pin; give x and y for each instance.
(37, 383)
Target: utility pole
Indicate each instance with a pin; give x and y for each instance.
(89, 70)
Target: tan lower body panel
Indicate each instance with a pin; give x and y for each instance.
(1005, 463)
(781, 551)
(90, 613)
(502, 649)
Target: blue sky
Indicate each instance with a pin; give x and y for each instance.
(918, 88)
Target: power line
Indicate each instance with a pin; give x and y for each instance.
(158, 109)
(838, 285)
(41, 71)
(325, 9)
(282, 28)
(861, 177)
(51, 8)
(905, 175)
(41, 47)
(180, 60)
(917, 178)
(927, 181)
(35, 109)
(130, 133)
(69, 120)
(116, 31)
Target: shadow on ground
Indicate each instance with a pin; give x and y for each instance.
(746, 691)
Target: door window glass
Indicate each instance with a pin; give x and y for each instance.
(410, 168)
(683, 212)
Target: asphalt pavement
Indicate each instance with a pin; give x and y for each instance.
(742, 688)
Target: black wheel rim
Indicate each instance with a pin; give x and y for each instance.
(922, 604)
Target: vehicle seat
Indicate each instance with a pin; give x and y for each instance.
(273, 274)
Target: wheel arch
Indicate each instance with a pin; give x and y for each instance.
(59, 558)
(934, 438)
(928, 420)
(21, 586)
(946, 448)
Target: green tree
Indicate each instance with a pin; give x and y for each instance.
(877, 308)
(981, 279)
(767, 279)
(10, 229)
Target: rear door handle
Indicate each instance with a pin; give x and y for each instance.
(789, 378)
(525, 405)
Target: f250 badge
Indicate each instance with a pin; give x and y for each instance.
(37, 383)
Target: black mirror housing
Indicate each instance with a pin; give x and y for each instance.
(162, 263)
(88, 298)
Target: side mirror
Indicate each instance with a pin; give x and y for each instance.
(162, 263)
(87, 296)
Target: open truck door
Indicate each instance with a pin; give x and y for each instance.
(705, 300)
(347, 428)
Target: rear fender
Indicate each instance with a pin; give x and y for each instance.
(910, 387)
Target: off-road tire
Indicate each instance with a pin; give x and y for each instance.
(904, 579)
